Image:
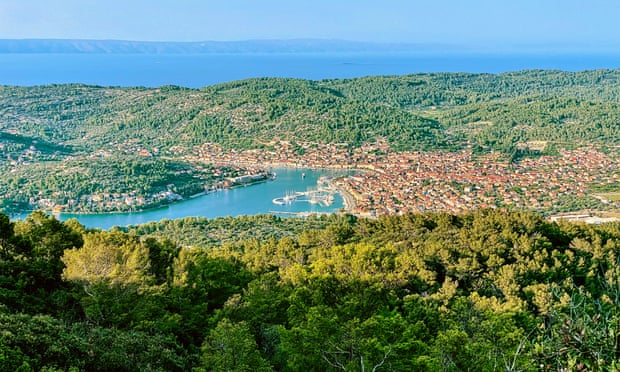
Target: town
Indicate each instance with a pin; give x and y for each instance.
(388, 182)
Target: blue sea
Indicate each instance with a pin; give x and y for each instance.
(199, 70)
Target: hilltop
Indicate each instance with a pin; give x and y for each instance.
(411, 111)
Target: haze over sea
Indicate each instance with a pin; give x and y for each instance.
(199, 70)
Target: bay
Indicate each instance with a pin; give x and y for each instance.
(244, 200)
(199, 70)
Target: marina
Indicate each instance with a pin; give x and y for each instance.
(322, 194)
(254, 199)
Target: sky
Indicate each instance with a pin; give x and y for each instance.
(571, 23)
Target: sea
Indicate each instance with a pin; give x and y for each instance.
(200, 70)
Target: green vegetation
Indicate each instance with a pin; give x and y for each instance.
(424, 111)
(612, 196)
(204, 232)
(489, 289)
(608, 192)
(103, 184)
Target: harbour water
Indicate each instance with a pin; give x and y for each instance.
(244, 200)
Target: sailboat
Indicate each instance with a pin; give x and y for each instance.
(285, 200)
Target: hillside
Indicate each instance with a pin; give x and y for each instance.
(491, 288)
(428, 292)
(413, 111)
(57, 127)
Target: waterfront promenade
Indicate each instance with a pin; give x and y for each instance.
(348, 200)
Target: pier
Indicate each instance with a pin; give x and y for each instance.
(323, 195)
(299, 214)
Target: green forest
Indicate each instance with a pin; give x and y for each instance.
(420, 111)
(484, 291)
(104, 184)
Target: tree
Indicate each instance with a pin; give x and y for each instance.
(231, 347)
(112, 258)
(113, 269)
(161, 257)
(31, 266)
(6, 237)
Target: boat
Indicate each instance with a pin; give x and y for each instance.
(287, 199)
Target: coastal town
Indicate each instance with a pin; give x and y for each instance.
(377, 180)
(387, 182)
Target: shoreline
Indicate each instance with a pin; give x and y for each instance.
(218, 187)
(348, 200)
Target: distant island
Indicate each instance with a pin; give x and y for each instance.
(66, 46)
(268, 46)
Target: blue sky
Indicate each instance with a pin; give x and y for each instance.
(580, 23)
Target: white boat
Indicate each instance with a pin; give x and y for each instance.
(285, 200)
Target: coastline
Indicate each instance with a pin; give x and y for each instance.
(82, 213)
(348, 200)
(349, 203)
(218, 187)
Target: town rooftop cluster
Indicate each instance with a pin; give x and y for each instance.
(396, 182)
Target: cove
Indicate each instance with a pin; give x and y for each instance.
(243, 200)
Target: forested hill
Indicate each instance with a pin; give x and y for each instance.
(484, 291)
(422, 111)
